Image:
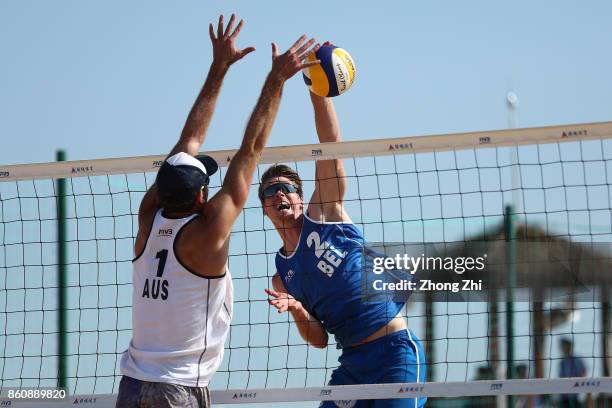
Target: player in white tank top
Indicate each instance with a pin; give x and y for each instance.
(164, 348)
(182, 290)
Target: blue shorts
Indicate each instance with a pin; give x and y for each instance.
(397, 357)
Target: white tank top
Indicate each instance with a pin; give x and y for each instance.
(179, 320)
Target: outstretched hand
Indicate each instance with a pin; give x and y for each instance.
(292, 61)
(282, 301)
(224, 43)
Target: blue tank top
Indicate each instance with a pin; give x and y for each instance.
(325, 275)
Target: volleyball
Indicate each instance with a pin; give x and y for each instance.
(334, 75)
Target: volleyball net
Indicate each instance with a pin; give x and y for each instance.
(439, 189)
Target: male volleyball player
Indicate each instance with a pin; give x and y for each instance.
(318, 277)
(182, 296)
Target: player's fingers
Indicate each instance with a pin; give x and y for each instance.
(274, 302)
(309, 64)
(229, 25)
(211, 32)
(220, 27)
(299, 41)
(271, 292)
(246, 51)
(274, 51)
(305, 47)
(304, 55)
(279, 309)
(237, 30)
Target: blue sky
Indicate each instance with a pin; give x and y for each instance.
(115, 79)
(111, 79)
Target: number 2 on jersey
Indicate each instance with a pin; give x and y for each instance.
(332, 258)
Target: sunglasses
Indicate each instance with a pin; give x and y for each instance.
(284, 187)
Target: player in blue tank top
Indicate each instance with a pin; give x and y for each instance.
(318, 277)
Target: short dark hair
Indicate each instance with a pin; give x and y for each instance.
(280, 170)
(173, 207)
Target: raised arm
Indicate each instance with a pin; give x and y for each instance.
(228, 202)
(330, 185)
(225, 54)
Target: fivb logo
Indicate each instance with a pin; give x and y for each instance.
(164, 232)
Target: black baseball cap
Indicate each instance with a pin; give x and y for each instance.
(182, 176)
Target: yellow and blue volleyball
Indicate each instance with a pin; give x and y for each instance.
(334, 75)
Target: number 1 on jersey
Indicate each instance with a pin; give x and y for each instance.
(162, 256)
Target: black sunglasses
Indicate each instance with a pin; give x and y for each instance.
(284, 187)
